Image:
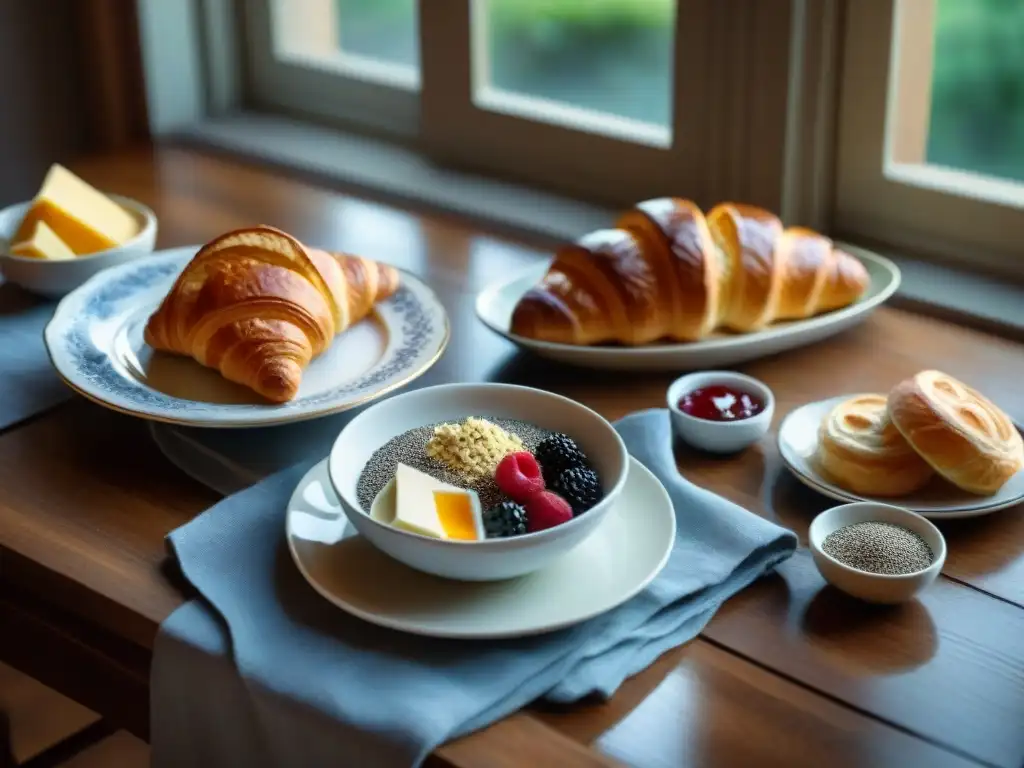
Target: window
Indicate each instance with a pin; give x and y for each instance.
(370, 39)
(931, 147)
(976, 116)
(899, 122)
(354, 61)
(578, 95)
(589, 63)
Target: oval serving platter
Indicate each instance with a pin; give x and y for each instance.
(939, 500)
(494, 306)
(95, 342)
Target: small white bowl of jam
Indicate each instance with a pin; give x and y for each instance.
(720, 411)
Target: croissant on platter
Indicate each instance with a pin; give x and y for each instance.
(668, 272)
(258, 306)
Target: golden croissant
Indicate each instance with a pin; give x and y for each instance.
(258, 306)
(669, 272)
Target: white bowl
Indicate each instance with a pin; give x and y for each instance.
(875, 587)
(54, 279)
(491, 559)
(720, 436)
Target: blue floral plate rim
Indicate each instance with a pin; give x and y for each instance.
(417, 324)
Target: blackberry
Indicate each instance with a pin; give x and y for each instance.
(558, 453)
(505, 519)
(580, 487)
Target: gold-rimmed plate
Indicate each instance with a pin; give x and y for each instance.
(95, 341)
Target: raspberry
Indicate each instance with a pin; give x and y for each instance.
(518, 476)
(546, 510)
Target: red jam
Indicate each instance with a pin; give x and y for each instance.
(720, 403)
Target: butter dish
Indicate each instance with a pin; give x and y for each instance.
(53, 243)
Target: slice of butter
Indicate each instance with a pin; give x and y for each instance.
(430, 507)
(84, 218)
(44, 244)
(414, 507)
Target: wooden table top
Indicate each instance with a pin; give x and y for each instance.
(789, 672)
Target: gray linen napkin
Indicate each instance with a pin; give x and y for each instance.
(28, 383)
(263, 671)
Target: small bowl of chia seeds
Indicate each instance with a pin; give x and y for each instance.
(877, 552)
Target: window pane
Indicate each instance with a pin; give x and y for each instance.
(380, 29)
(977, 98)
(372, 39)
(606, 56)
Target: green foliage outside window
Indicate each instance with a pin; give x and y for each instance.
(977, 118)
(615, 56)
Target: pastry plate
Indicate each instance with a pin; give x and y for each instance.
(798, 445)
(95, 341)
(494, 306)
(618, 560)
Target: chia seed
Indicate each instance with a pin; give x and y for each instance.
(877, 547)
(410, 448)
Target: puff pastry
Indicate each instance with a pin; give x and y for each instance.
(861, 450)
(668, 271)
(956, 429)
(258, 306)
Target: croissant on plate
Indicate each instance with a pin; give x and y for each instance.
(668, 272)
(258, 306)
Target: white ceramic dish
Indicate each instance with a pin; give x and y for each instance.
(54, 279)
(798, 445)
(720, 436)
(491, 559)
(622, 557)
(495, 304)
(875, 587)
(95, 343)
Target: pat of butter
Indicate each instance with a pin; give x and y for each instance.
(44, 244)
(83, 217)
(429, 507)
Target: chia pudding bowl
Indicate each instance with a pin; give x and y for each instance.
(875, 552)
(524, 475)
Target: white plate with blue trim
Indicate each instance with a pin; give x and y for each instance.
(95, 342)
(495, 304)
(939, 500)
(626, 552)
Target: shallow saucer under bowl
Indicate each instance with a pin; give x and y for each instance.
(868, 586)
(491, 559)
(626, 552)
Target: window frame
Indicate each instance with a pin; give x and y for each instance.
(730, 108)
(767, 113)
(458, 131)
(881, 193)
(346, 92)
(712, 127)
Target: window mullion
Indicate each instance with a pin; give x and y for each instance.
(741, 145)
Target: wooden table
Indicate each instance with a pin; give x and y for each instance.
(788, 673)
